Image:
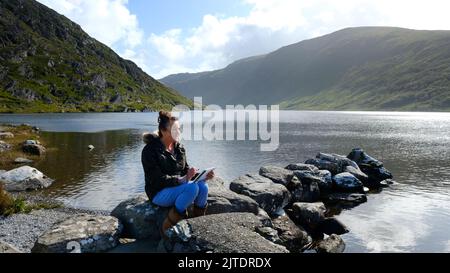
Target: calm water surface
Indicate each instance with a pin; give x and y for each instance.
(411, 216)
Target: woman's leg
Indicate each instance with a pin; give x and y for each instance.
(202, 198)
(181, 196)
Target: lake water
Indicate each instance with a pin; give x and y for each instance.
(411, 216)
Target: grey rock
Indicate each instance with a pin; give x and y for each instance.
(221, 233)
(357, 173)
(307, 190)
(341, 160)
(34, 149)
(324, 165)
(7, 248)
(141, 219)
(223, 200)
(326, 181)
(269, 234)
(4, 146)
(331, 226)
(25, 179)
(348, 183)
(359, 156)
(21, 160)
(345, 198)
(82, 234)
(4, 135)
(293, 237)
(309, 214)
(302, 167)
(332, 244)
(387, 183)
(270, 196)
(372, 167)
(277, 174)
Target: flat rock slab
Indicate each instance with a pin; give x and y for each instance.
(141, 219)
(80, 234)
(221, 233)
(223, 200)
(277, 174)
(25, 179)
(270, 196)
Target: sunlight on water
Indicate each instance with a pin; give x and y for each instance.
(411, 216)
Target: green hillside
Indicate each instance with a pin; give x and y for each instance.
(365, 68)
(49, 64)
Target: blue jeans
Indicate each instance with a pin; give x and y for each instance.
(183, 196)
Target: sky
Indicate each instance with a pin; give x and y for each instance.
(164, 37)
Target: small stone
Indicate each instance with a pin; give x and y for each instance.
(4, 135)
(21, 160)
(332, 244)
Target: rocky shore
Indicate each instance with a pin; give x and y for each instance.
(278, 209)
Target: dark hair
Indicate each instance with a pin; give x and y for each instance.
(164, 120)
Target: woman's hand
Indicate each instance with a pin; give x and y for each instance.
(191, 172)
(210, 175)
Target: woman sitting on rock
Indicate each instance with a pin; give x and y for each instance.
(168, 175)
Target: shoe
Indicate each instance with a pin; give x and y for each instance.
(197, 211)
(173, 217)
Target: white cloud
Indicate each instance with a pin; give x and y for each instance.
(219, 39)
(275, 23)
(109, 21)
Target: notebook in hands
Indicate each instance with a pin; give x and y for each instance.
(202, 175)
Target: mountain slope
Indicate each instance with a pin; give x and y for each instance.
(49, 64)
(365, 68)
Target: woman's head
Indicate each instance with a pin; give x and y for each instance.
(168, 126)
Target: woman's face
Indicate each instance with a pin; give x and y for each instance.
(174, 133)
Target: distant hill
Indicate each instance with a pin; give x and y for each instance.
(364, 68)
(49, 64)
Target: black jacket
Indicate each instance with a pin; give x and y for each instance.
(161, 168)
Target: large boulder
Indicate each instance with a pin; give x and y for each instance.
(356, 172)
(24, 179)
(347, 182)
(307, 189)
(302, 167)
(270, 196)
(372, 167)
(4, 146)
(141, 219)
(33, 147)
(332, 244)
(82, 233)
(324, 165)
(293, 237)
(340, 160)
(223, 200)
(331, 226)
(277, 174)
(220, 233)
(359, 156)
(309, 214)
